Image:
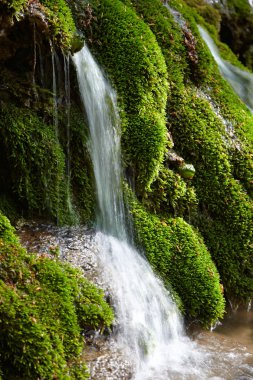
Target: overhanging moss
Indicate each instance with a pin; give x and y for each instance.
(61, 22)
(58, 17)
(13, 6)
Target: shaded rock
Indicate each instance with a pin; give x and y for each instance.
(173, 159)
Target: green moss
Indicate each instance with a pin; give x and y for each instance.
(134, 62)
(207, 11)
(168, 35)
(223, 199)
(6, 230)
(35, 160)
(171, 195)
(177, 253)
(61, 21)
(45, 307)
(59, 18)
(82, 181)
(13, 6)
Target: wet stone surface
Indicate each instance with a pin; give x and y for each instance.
(77, 246)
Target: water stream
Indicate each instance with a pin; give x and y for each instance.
(148, 325)
(240, 80)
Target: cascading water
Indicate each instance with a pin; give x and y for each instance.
(240, 80)
(149, 323)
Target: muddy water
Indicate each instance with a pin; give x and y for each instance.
(230, 346)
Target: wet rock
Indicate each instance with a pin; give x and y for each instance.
(173, 159)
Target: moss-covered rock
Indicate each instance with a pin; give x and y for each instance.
(179, 256)
(133, 61)
(45, 307)
(61, 22)
(170, 195)
(198, 137)
(54, 17)
(32, 162)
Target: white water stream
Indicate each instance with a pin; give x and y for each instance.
(149, 327)
(240, 80)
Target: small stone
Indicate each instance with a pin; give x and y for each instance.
(187, 171)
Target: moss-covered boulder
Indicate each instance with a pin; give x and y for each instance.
(179, 256)
(32, 163)
(224, 203)
(45, 307)
(134, 62)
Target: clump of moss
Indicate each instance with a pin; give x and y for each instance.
(13, 6)
(179, 256)
(61, 22)
(134, 62)
(59, 18)
(224, 203)
(207, 11)
(82, 181)
(34, 158)
(171, 195)
(45, 307)
(168, 35)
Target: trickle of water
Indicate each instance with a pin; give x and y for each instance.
(67, 98)
(34, 61)
(56, 122)
(240, 80)
(66, 62)
(149, 324)
(55, 116)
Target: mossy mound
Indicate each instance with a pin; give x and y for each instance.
(222, 198)
(199, 119)
(45, 307)
(179, 256)
(61, 22)
(170, 195)
(134, 63)
(33, 163)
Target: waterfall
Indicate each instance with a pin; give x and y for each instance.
(240, 80)
(149, 324)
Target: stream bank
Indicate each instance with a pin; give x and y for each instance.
(227, 350)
